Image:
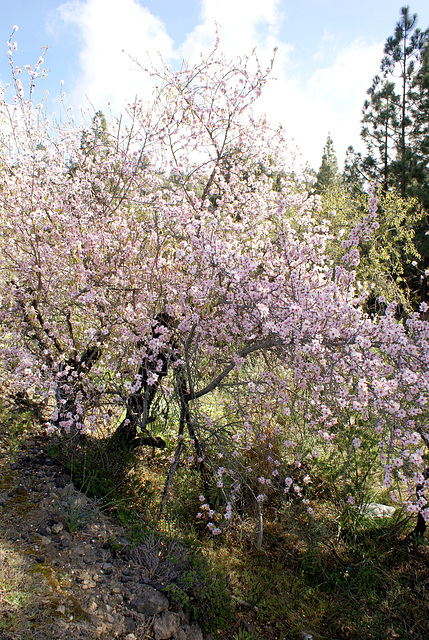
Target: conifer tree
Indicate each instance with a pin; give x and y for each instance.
(395, 131)
(402, 51)
(420, 131)
(380, 127)
(327, 176)
(387, 123)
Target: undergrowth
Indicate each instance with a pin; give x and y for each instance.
(329, 576)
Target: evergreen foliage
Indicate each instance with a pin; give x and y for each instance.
(327, 176)
(395, 132)
(388, 122)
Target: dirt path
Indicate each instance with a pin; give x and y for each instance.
(62, 585)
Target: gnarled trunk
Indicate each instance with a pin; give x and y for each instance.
(139, 402)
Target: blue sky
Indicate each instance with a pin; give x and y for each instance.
(328, 52)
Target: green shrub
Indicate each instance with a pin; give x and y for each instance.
(188, 579)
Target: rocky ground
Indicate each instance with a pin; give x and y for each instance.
(61, 576)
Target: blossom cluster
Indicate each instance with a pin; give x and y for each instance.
(195, 212)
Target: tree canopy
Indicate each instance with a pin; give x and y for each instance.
(156, 265)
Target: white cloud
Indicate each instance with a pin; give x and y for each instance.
(329, 100)
(108, 29)
(242, 25)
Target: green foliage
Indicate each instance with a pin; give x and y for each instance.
(420, 136)
(380, 131)
(74, 510)
(95, 465)
(394, 129)
(187, 577)
(244, 634)
(327, 176)
(387, 267)
(387, 124)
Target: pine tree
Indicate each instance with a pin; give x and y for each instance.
(420, 131)
(402, 51)
(396, 133)
(353, 177)
(387, 122)
(328, 175)
(380, 126)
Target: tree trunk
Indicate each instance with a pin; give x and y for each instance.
(139, 402)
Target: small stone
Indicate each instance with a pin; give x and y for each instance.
(117, 598)
(193, 632)
(375, 510)
(89, 585)
(82, 577)
(166, 625)
(149, 601)
(61, 609)
(130, 624)
(61, 481)
(130, 636)
(56, 528)
(127, 579)
(92, 606)
(43, 530)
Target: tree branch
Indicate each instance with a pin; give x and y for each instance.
(265, 344)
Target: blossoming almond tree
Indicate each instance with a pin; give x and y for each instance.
(177, 257)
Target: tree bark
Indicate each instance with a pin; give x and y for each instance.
(139, 402)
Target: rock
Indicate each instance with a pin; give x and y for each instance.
(149, 601)
(184, 616)
(181, 635)
(127, 579)
(376, 510)
(92, 606)
(192, 632)
(61, 609)
(86, 580)
(57, 527)
(61, 481)
(130, 636)
(73, 499)
(130, 624)
(166, 625)
(44, 530)
(89, 585)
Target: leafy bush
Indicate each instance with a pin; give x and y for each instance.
(184, 573)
